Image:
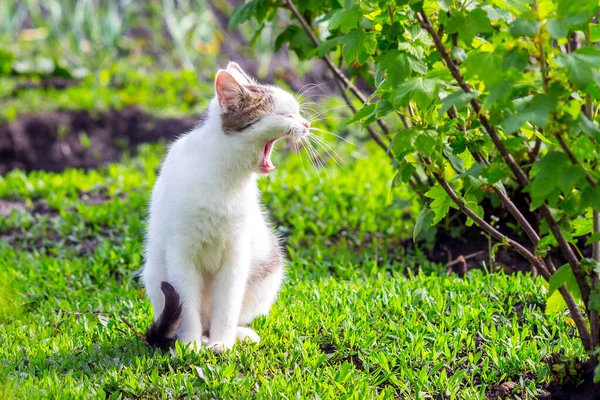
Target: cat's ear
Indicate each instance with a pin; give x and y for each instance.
(229, 91)
(234, 69)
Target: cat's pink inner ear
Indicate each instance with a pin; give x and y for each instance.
(228, 89)
(239, 74)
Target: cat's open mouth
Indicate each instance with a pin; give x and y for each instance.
(267, 164)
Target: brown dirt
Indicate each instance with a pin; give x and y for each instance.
(571, 380)
(57, 140)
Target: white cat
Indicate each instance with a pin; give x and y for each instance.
(212, 262)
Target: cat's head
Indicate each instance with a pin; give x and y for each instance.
(257, 115)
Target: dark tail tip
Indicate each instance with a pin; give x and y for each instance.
(163, 332)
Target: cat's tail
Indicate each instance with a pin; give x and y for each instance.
(163, 332)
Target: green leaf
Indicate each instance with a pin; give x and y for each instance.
(297, 39)
(473, 204)
(588, 127)
(595, 238)
(363, 112)
(457, 163)
(557, 29)
(242, 14)
(328, 46)
(407, 171)
(441, 202)
(422, 90)
(480, 63)
(358, 45)
(523, 27)
(469, 25)
(555, 304)
(580, 65)
(594, 303)
(346, 19)
(423, 222)
(425, 144)
(402, 143)
(564, 276)
(495, 172)
(590, 197)
(517, 58)
(396, 65)
(457, 99)
(537, 110)
(554, 173)
(595, 32)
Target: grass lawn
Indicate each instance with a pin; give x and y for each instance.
(357, 318)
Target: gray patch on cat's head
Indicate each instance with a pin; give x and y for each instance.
(253, 102)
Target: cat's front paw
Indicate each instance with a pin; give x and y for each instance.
(219, 347)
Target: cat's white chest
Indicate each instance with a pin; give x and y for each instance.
(210, 235)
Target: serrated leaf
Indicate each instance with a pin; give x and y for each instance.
(358, 45)
(422, 90)
(346, 19)
(555, 174)
(441, 202)
(467, 26)
(580, 65)
(425, 144)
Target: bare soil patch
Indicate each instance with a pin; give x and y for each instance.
(81, 139)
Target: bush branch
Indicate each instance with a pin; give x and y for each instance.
(576, 314)
(520, 175)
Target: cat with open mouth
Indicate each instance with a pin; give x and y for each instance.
(213, 262)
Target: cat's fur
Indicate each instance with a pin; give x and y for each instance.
(208, 241)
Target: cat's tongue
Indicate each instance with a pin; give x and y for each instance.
(267, 164)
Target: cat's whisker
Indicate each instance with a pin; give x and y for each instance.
(337, 136)
(314, 153)
(310, 86)
(297, 145)
(330, 109)
(312, 157)
(310, 109)
(329, 150)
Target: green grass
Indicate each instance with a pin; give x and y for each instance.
(357, 318)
